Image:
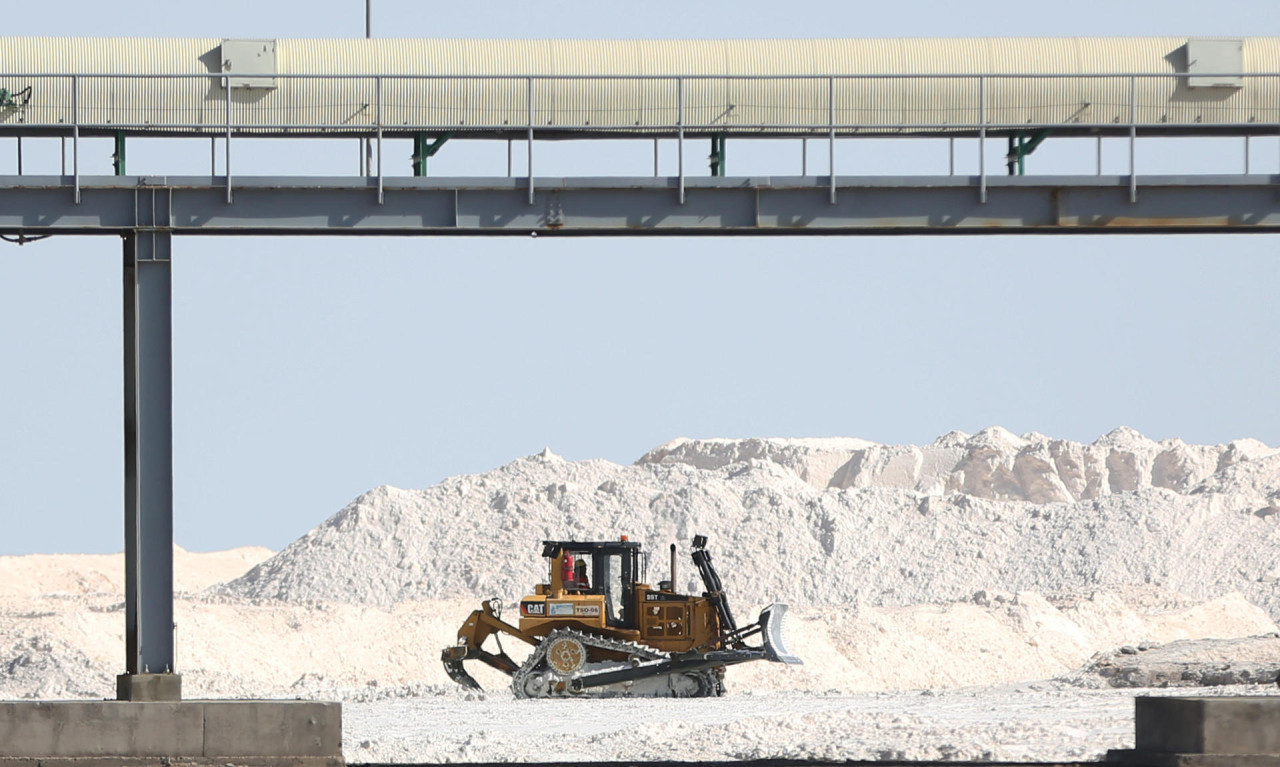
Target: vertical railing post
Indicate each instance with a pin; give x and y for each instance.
(1099, 155)
(804, 157)
(75, 133)
(831, 136)
(680, 134)
(951, 155)
(982, 138)
(1246, 155)
(1133, 138)
(226, 82)
(529, 89)
(378, 114)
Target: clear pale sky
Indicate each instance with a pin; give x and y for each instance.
(310, 370)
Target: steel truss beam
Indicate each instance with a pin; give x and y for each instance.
(34, 205)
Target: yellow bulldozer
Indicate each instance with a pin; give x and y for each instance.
(598, 630)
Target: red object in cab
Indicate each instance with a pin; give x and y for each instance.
(566, 570)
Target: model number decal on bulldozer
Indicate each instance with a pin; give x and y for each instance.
(654, 596)
(563, 610)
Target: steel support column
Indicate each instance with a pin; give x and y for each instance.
(148, 465)
(717, 157)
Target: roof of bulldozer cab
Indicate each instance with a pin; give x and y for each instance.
(553, 548)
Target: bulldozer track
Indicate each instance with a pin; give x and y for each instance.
(538, 679)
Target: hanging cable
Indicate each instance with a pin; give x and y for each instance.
(23, 239)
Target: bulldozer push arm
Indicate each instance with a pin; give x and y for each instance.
(478, 627)
(711, 580)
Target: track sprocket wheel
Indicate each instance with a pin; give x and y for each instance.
(566, 655)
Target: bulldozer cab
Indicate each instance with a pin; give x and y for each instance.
(608, 568)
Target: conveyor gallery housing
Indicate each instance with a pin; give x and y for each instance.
(436, 90)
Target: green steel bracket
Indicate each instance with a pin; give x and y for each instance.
(424, 148)
(14, 99)
(718, 142)
(117, 159)
(1020, 145)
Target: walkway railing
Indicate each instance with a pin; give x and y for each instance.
(611, 106)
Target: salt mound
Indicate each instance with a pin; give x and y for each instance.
(777, 537)
(41, 574)
(993, 464)
(813, 460)
(71, 647)
(44, 667)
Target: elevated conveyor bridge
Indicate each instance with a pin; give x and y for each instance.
(1009, 95)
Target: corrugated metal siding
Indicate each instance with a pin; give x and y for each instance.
(712, 101)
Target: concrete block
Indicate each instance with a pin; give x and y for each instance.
(149, 687)
(1131, 758)
(100, 728)
(272, 728)
(1220, 725)
(279, 733)
(186, 761)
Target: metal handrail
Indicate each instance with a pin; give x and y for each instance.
(523, 77)
(680, 128)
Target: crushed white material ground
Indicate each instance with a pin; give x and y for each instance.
(966, 569)
(1039, 722)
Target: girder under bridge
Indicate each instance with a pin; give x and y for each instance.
(32, 207)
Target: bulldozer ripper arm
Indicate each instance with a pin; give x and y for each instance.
(477, 628)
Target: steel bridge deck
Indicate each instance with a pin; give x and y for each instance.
(767, 205)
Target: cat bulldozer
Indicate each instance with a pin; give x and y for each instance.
(597, 630)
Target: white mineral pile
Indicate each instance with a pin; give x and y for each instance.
(72, 645)
(983, 560)
(81, 574)
(825, 522)
(994, 463)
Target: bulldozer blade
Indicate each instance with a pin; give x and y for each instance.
(459, 674)
(771, 628)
